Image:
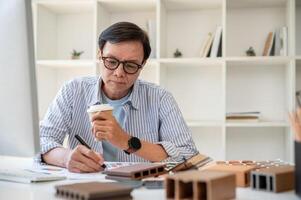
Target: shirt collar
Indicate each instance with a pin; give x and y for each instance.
(133, 99)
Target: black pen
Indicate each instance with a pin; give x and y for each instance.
(82, 141)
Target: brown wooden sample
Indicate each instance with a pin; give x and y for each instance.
(242, 171)
(194, 162)
(205, 185)
(273, 179)
(94, 191)
(136, 171)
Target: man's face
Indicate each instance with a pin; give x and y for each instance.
(118, 81)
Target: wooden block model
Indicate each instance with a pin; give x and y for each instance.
(195, 162)
(241, 170)
(94, 190)
(273, 179)
(204, 185)
(136, 172)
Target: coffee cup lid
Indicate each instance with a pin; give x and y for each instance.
(100, 107)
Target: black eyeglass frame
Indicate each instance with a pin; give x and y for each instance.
(103, 58)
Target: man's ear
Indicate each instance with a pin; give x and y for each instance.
(144, 62)
(99, 53)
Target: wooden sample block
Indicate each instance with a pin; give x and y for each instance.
(93, 191)
(195, 162)
(273, 179)
(204, 185)
(136, 171)
(241, 170)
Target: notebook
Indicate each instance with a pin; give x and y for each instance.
(28, 176)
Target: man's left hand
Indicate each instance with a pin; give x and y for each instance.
(106, 127)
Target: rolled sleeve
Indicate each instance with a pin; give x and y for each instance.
(171, 150)
(57, 121)
(175, 136)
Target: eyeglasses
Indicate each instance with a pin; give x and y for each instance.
(113, 63)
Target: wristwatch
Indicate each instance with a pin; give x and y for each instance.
(134, 145)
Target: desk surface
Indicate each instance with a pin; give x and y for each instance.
(15, 191)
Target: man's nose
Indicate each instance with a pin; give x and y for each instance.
(119, 71)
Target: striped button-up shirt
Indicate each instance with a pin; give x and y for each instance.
(152, 115)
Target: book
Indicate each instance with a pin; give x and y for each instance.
(206, 45)
(283, 41)
(216, 42)
(219, 51)
(277, 42)
(268, 44)
(243, 116)
(272, 50)
(94, 190)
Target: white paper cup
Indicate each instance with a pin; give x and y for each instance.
(99, 108)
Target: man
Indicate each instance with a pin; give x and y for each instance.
(147, 124)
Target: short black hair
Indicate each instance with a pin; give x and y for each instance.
(125, 31)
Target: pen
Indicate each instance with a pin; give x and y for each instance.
(82, 141)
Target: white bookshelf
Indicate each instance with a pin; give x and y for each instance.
(205, 88)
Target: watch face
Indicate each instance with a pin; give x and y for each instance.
(135, 143)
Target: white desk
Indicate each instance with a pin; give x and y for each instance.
(45, 191)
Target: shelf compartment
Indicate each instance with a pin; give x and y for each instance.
(263, 88)
(62, 27)
(258, 143)
(209, 141)
(178, 25)
(245, 15)
(199, 93)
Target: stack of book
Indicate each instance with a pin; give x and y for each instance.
(212, 46)
(276, 43)
(243, 116)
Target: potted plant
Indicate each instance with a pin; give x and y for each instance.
(76, 54)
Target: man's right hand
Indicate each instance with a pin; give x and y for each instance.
(83, 160)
